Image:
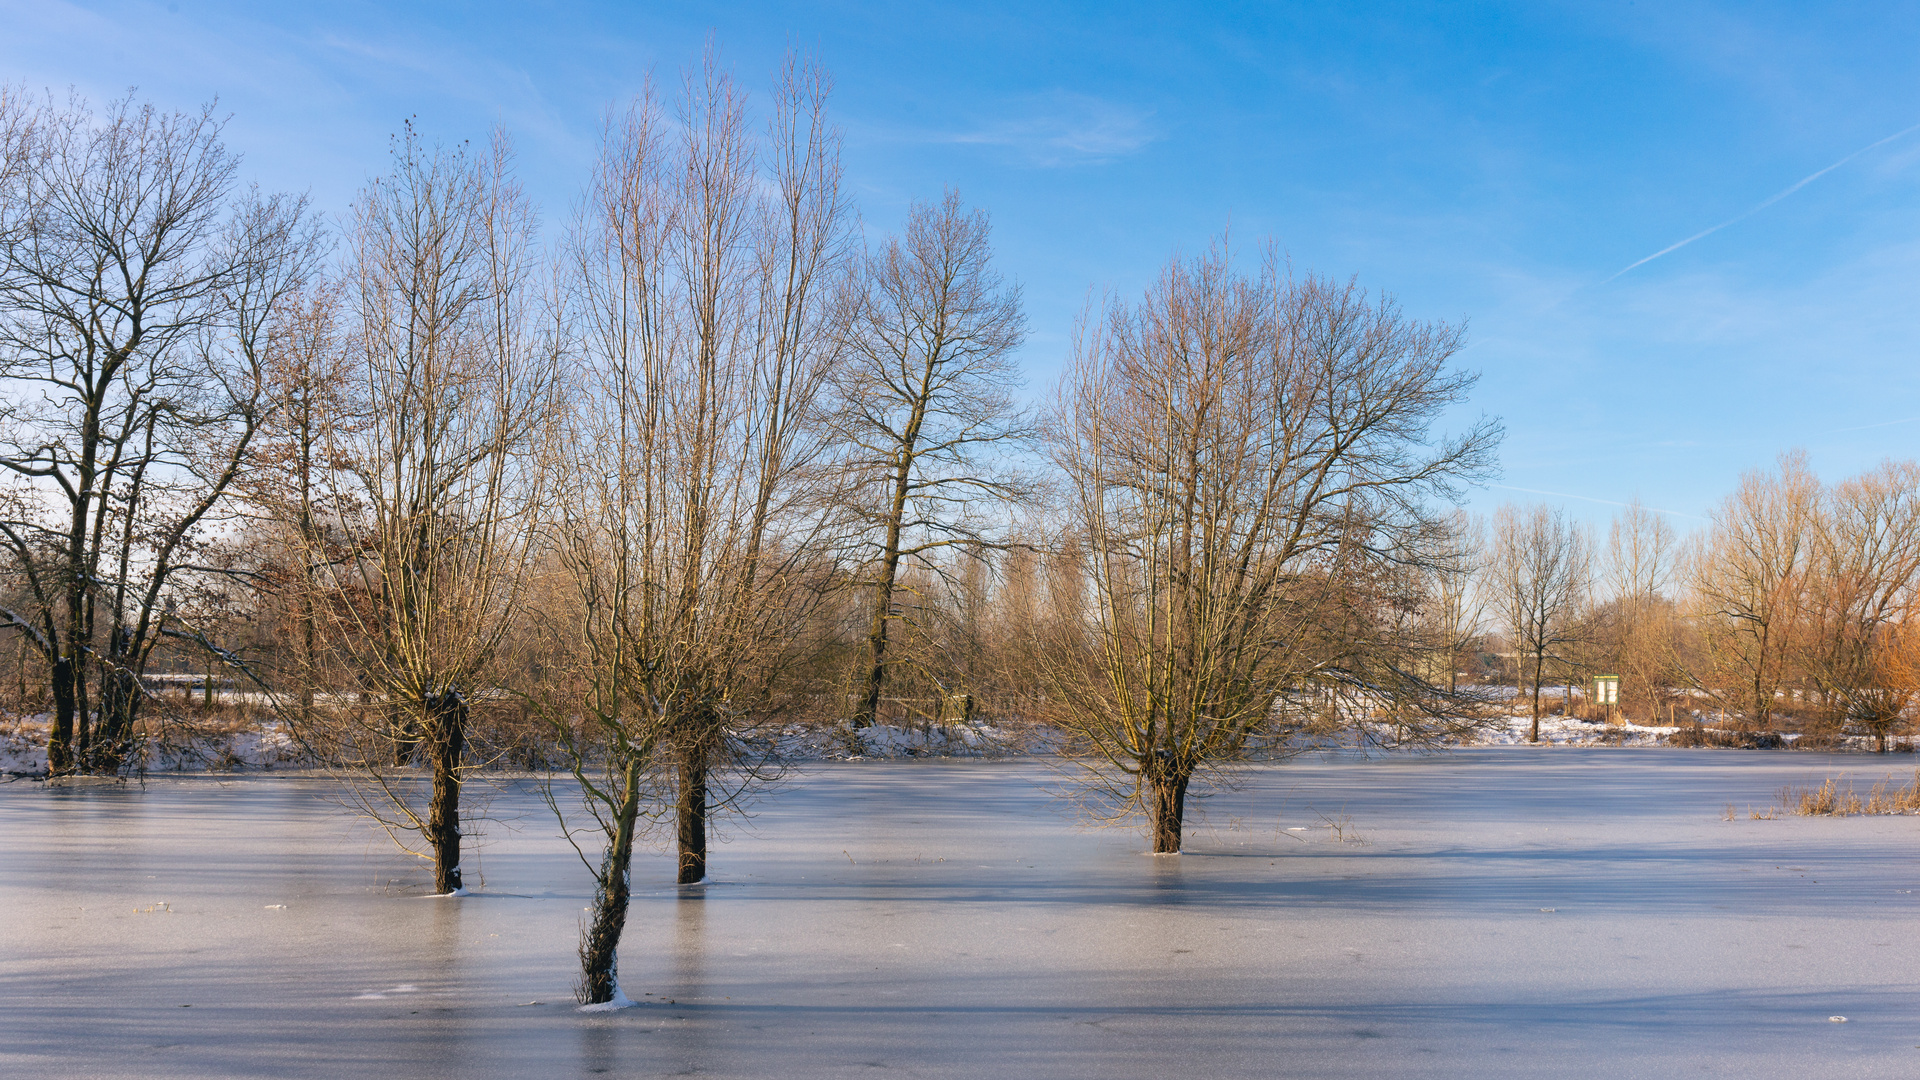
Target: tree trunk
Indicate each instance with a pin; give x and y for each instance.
(1538, 664)
(600, 940)
(690, 808)
(82, 720)
(60, 739)
(446, 723)
(883, 592)
(868, 709)
(1169, 811)
(876, 676)
(308, 630)
(119, 709)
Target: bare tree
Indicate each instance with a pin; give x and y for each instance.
(927, 409)
(1641, 550)
(1456, 596)
(1861, 590)
(314, 415)
(1747, 580)
(20, 151)
(703, 284)
(1247, 460)
(1640, 562)
(1541, 567)
(457, 373)
(136, 286)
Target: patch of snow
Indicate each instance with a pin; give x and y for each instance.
(23, 745)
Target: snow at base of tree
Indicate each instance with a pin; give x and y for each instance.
(620, 1001)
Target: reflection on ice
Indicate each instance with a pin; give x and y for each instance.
(381, 995)
(1514, 912)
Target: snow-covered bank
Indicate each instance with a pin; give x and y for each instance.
(211, 747)
(821, 742)
(23, 747)
(1567, 731)
(239, 746)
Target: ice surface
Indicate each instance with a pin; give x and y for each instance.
(949, 920)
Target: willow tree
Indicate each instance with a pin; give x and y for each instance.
(437, 509)
(703, 268)
(137, 283)
(1249, 462)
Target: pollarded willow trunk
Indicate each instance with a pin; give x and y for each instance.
(690, 805)
(446, 736)
(600, 939)
(1168, 812)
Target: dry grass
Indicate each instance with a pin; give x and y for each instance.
(1726, 738)
(1837, 798)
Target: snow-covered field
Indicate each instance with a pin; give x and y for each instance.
(1490, 912)
(1562, 731)
(807, 742)
(268, 746)
(23, 746)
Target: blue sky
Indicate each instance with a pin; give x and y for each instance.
(1499, 163)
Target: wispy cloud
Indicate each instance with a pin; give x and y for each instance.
(1060, 129)
(1769, 201)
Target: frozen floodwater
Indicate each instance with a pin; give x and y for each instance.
(1504, 911)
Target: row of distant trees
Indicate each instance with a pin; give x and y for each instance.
(619, 496)
(1798, 598)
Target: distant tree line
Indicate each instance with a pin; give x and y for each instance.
(1795, 608)
(437, 488)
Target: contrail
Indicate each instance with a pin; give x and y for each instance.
(1870, 427)
(1804, 181)
(1591, 499)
